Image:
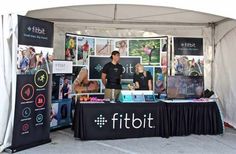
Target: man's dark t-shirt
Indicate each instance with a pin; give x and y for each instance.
(113, 73)
(142, 80)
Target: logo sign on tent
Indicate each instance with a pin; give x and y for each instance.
(34, 32)
(96, 65)
(188, 46)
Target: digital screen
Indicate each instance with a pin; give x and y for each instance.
(185, 87)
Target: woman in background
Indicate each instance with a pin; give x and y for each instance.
(142, 79)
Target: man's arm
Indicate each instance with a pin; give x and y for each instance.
(104, 79)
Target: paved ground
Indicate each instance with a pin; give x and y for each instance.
(64, 143)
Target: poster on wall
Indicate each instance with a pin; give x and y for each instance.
(86, 47)
(149, 50)
(104, 46)
(81, 83)
(34, 61)
(189, 65)
(160, 78)
(70, 48)
(96, 64)
(122, 46)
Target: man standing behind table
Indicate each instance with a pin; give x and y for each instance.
(111, 76)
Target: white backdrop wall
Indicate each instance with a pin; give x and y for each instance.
(224, 70)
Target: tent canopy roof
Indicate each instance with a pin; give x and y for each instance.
(125, 14)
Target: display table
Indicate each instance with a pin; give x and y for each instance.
(120, 120)
(194, 118)
(117, 120)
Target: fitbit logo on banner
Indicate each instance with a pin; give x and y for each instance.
(100, 121)
(126, 121)
(37, 30)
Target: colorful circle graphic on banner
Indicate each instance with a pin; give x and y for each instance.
(26, 112)
(39, 118)
(25, 127)
(40, 101)
(27, 92)
(41, 78)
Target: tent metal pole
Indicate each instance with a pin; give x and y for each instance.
(213, 54)
(126, 22)
(115, 12)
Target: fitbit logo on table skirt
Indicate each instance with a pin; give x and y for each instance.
(127, 121)
(100, 121)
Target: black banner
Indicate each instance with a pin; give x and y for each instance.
(188, 46)
(112, 121)
(31, 123)
(35, 32)
(31, 119)
(96, 64)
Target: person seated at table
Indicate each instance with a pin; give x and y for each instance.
(142, 79)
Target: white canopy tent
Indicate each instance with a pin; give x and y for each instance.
(129, 20)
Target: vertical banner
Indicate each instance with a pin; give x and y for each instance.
(60, 115)
(34, 55)
(187, 68)
(188, 46)
(188, 56)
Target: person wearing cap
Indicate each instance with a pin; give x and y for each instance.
(111, 76)
(142, 79)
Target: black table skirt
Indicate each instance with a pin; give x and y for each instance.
(86, 129)
(194, 118)
(170, 119)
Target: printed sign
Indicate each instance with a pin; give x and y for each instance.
(64, 67)
(96, 65)
(188, 46)
(35, 32)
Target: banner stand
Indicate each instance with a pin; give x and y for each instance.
(24, 147)
(31, 125)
